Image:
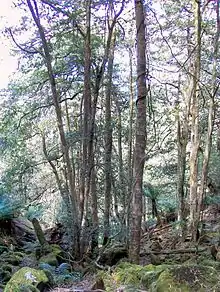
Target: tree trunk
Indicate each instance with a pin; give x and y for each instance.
(94, 213)
(211, 114)
(40, 234)
(85, 172)
(108, 144)
(195, 139)
(140, 134)
(64, 145)
(130, 142)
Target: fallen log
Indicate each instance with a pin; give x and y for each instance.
(176, 251)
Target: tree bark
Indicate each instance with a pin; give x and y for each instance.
(211, 113)
(85, 172)
(130, 142)
(108, 143)
(140, 134)
(64, 145)
(40, 234)
(195, 138)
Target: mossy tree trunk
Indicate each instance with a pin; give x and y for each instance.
(39, 233)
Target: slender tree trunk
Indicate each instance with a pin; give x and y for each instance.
(211, 114)
(87, 111)
(120, 157)
(130, 141)
(140, 134)
(94, 212)
(195, 139)
(108, 144)
(183, 121)
(182, 140)
(65, 149)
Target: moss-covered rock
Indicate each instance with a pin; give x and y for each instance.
(56, 249)
(188, 278)
(162, 278)
(112, 255)
(49, 259)
(131, 276)
(25, 278)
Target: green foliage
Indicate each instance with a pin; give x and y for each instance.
(61, 274)
(34, 211)
(151, 191)
(167, 204)
(9, 207)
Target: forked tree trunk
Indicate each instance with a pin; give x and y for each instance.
(140, 134)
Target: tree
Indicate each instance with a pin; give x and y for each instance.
(55, 95)
(140, 134)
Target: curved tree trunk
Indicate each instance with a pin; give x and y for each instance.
(65, 150)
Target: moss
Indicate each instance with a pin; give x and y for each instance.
(166, 283)
(56, 249)
(49, 259)
(132, 276)
(28, 288)
(162, 278)
(211, 263)
(187, 278)
(13, 258)
(25, 276)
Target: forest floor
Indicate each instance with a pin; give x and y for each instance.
(159, 246)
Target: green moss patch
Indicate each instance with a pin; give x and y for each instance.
(162, 278)
(49, 259)
(26, 277)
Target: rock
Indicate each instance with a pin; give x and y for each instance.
(112, 255)
(162, 278)
(188, 278)
(27, 279)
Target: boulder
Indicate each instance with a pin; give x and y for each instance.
(162, 278)
(27, 279)
(188, 279)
